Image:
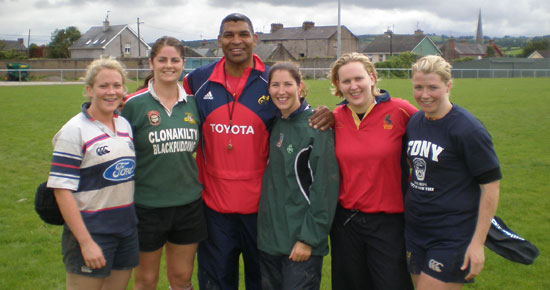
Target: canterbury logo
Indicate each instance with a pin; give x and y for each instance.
(435, 265)
(263, 99)
(102, 150)
(208, 96)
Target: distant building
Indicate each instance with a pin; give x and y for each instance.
(272, 52)
(17, 45)
(109, 40)
(310, 41)
(390, 44)
(540, 54)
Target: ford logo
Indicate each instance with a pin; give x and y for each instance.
(121, 170)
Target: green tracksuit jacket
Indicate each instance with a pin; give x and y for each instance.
(300, 186)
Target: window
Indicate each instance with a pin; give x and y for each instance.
(127, 48)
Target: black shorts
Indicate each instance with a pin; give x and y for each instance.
(440, 258)
(181, 225)
(119, 250)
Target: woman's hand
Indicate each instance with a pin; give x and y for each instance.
(300, 252)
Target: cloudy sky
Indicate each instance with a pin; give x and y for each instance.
(199, 19)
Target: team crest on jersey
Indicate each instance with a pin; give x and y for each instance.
(189, 118)
(289, 149)
(388, 124)
(263, 100)
(154, 117)
(280, 143)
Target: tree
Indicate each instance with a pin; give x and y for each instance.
(61, 40)
(535, 45)
(491, 51)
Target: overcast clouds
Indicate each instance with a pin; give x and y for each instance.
(193, 20)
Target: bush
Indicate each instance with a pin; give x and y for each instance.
(403, 60)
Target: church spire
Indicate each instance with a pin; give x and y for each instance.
(479, 34)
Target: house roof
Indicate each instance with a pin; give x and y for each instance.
(299, 33)
(191, 52)
(12, 44)
(96, 38)
(203, 51)
(465, 48)
(399, 43)
(543, 53)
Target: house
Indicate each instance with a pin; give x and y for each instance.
(453, 50)
(310, 41)
(390, 44)
(540, 54)
(273, 52)
(17, 45)
(109, 40)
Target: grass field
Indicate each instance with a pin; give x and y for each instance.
(514, 110)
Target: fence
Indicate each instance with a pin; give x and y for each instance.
(310, 73)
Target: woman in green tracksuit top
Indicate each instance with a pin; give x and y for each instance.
(299, 189)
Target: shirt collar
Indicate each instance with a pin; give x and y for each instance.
(84, 109)
(182, 95)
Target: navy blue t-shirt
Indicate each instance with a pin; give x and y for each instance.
(447, 154)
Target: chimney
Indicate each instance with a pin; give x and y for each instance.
(276, 27)
(418, 32)
(105, 25)
(452, 48)
(21, 40)
(307, 25)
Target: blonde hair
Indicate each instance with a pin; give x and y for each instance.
(103, 63)
(349, 58)
(433, 64)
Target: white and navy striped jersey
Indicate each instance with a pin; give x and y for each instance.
(98, 166)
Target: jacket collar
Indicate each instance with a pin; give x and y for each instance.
(218, 74)
(384, 97)
(303, 106)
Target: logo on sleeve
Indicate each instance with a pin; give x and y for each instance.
(154, 117)
(121, 170)
(263, 100)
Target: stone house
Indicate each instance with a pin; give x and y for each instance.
(109, 40)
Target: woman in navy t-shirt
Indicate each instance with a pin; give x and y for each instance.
(454, 188)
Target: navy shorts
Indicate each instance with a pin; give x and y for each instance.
(121, 252)
(181, 225)
(439, 258)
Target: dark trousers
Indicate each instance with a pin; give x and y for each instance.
(368, 251)
(281, 273)
(229, 236)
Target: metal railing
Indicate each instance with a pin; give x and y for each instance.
(67, 75)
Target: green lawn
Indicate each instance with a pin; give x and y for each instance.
(514, 111)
